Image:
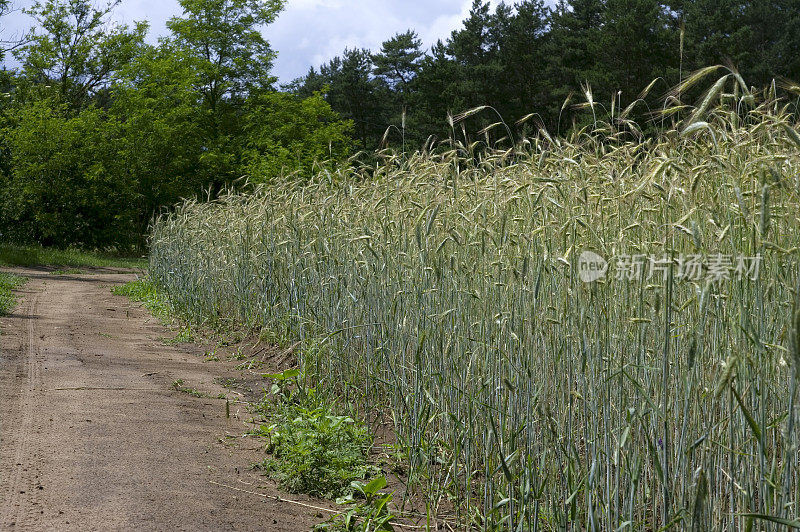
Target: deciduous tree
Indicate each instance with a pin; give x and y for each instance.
(75, 50)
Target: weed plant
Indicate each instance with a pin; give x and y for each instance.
(313, 450)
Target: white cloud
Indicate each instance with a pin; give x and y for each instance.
(330, 26)
(443, 25)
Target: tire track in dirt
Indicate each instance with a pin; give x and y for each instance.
(18, 467)
(94, 437)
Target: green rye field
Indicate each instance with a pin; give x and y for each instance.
(446, 292)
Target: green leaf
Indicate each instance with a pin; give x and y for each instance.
(748, 416)
(377, 483)
(794, 523)
(793, 135)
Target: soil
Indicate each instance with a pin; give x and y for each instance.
(95, 436)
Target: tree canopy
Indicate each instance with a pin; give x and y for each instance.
(99, 130)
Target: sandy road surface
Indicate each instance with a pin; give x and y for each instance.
(93, 436)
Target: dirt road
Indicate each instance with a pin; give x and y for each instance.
(94, 437)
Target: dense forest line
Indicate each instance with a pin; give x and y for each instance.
(99, 130)
(530, 58)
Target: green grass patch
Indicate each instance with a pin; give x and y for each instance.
(185, 335)
(314, 450)
(238, 355)
(70, 271)
(13, 255)
(8, 282)
(143, 290)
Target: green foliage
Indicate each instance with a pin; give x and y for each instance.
(352, 92)
(160, 146)
(396, 68)
(750, 35)
(75, 50)
(99, 131)
(15, 255)
(184, 335)
(287, 135)
(313, 450)
(60, 190)
(631, 31)
(145, 126)
(526, 60)
(71, 271)
(286, 384)
(399, 60)
(8, 282)
(143, 290)
(232, 60)
(57, 181)
(225, 39)
(369, 509)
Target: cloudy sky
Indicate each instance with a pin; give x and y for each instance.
(308, 32)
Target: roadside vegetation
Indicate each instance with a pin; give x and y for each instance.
(313, 450)
(368, 509)
(18, 255)
(142, 290)
(312, 447)
(444, 290)
(8, 282)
